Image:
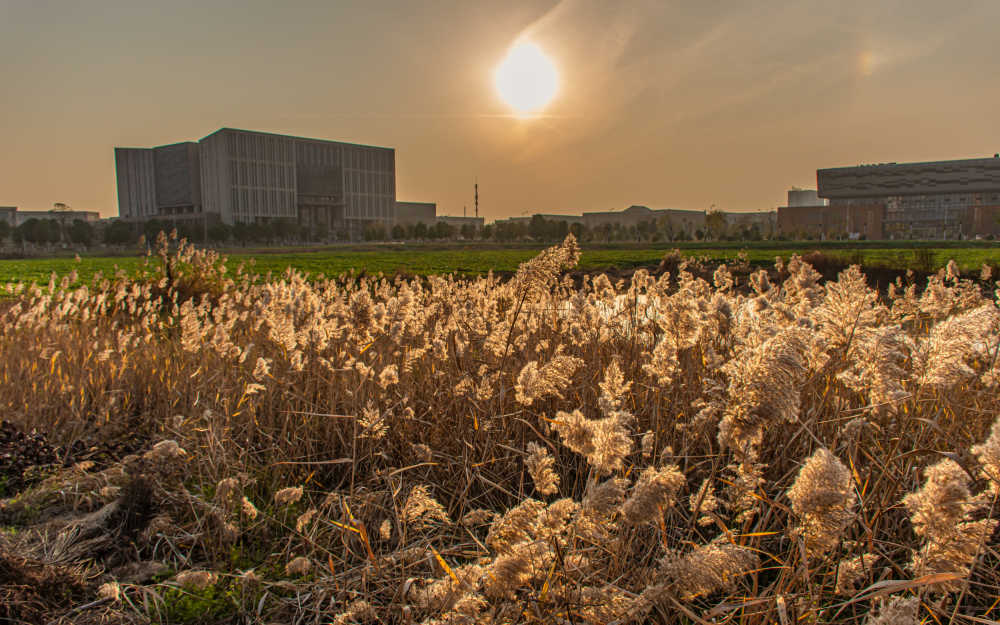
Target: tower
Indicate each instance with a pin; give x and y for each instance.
(477, 197)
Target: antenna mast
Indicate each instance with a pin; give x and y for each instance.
(477, 197)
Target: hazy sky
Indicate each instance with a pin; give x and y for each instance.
(667, 104)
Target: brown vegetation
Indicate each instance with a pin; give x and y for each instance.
(668, 449)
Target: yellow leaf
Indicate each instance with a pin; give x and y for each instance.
(548, 578)
(444, 565)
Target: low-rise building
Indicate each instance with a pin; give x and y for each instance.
(412, 213)
(15, 217)
(64, 216)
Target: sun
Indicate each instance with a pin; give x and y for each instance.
(526, 79)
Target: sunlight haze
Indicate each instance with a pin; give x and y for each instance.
(667, 104)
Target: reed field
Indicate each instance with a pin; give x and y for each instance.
(187, 441)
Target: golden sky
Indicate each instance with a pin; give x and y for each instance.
(669, 104)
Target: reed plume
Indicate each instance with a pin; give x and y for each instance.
(539, 464)
(941, 515)
(823, 499)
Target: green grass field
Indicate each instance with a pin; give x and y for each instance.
(470, 260)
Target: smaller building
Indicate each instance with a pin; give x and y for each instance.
(805, 197)
(15, 217)
(807, 216)
(412, 213)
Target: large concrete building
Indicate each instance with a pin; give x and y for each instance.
(933, 200)
(241, 176)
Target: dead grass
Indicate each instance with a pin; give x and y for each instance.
(528, 450)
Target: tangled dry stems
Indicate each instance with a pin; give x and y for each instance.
(361, 449)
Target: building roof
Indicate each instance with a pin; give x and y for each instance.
(275, 134)
(995, 161)
(889, 179)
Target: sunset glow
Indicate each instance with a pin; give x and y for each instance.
(526, 79)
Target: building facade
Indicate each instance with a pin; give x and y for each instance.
(805, 197)
(241, 176)
(412, 213)
(935, 200)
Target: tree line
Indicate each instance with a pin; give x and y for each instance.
(285, 232)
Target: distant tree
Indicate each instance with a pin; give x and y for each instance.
(443, 230)
(118, 233)
(507, 231)
(39, 231)
(645, 229)
(5, 229)
(468, 231)
(81, 232)
(538, 228)
(374, 231)
(241, 232)
(486, 232)
(665, 226)
(284, 229)
(561, 229)
(261, 232)
(398, 232)
(188, 231)
(153, 227)
(219, 232)
(715, 224)
(420, 230)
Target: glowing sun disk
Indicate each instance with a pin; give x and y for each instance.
(526, 79)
